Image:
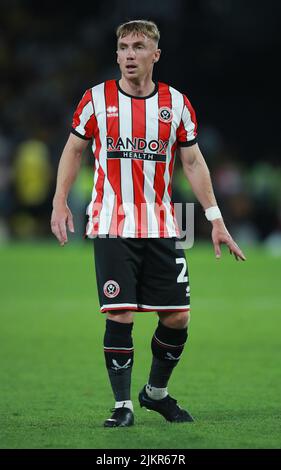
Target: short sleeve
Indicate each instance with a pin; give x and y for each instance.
(187, 130)
(84, 121)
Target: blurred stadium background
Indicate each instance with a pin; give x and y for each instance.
(223, 55)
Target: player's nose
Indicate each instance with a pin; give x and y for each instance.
(131, 53)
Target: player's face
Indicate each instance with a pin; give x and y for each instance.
(136, 55)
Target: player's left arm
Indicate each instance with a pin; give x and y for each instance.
(197, 173)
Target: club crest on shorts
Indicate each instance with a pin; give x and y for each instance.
(111, 289)
(165, 114)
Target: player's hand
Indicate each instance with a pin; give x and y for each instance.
(61, 219)
(221, 235)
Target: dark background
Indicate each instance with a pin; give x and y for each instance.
(223, 54)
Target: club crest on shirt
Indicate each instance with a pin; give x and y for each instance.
(165, 114)
(111, 289)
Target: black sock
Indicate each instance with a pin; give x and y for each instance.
(167, 345)
(119, 357)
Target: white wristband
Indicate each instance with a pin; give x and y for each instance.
(213, 213)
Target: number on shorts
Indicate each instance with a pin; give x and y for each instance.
(182, 275)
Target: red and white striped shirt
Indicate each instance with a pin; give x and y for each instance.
(134, 143)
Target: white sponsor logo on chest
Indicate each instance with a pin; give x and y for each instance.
(112, 111)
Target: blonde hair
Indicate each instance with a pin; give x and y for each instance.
(148, 28)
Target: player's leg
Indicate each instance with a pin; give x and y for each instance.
(170, 295)
(117, 262)
(119, 358)
(167, 345)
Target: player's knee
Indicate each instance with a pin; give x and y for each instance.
(178, 320)
(123, 316)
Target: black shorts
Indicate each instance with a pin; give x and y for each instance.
(141, 274)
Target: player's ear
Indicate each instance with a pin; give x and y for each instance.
(117, 57)
(157, 55)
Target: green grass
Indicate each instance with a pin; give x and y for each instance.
(54, 391)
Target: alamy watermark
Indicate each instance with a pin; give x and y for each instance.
(147, 219)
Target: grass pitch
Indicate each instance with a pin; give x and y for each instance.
(54, 390)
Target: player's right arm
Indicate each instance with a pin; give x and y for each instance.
(68, 169)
